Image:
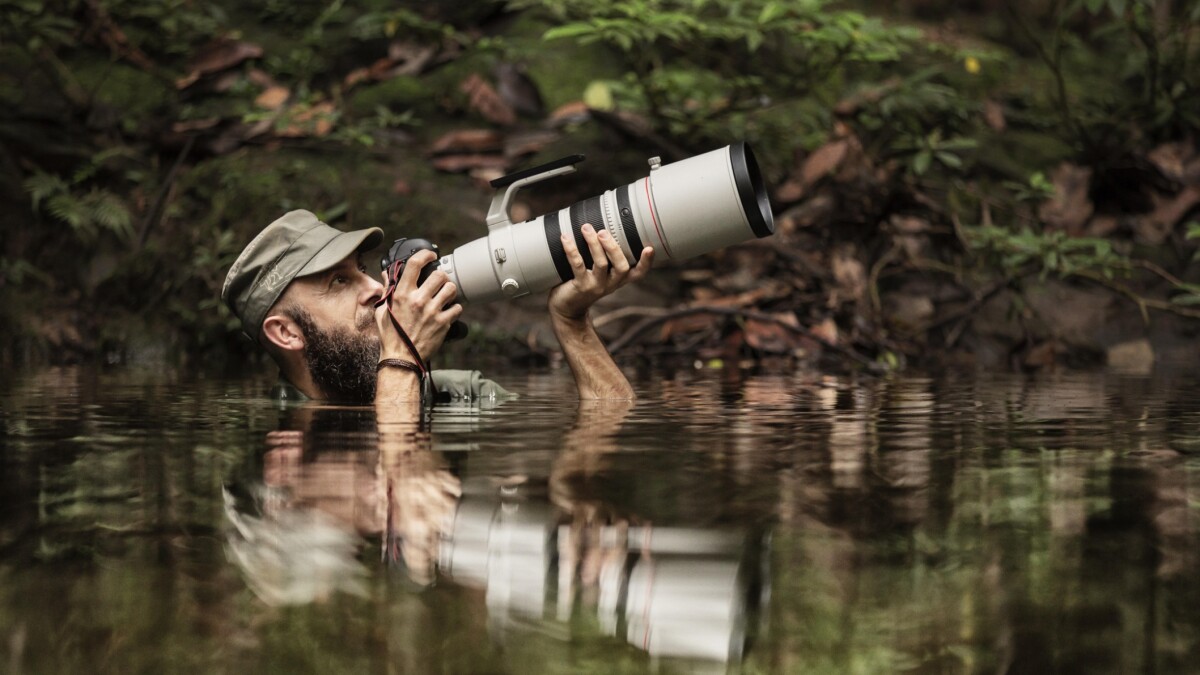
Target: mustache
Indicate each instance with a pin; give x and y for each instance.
(365, 319)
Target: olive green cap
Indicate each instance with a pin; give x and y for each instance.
(296, 245)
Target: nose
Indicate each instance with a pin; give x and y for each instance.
(372, 289)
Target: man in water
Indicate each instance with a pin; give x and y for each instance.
(302, 290)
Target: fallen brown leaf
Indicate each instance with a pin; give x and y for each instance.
(1156, 226)
(823, 161)
(273, 98)
(768, 336)
(308, 121)
(528, 142)
(460, 163)
(217, 56)
(483, 99)
(826, 331)
(1070, 207)
(1172, 158)
(568, 113)
(849, 272)
(993, 115)
(469, 141)
(692, 323)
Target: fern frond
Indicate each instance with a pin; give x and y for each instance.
(42, 186)
(73, 212)
(110, 213)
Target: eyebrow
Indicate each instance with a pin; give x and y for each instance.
(341, 267)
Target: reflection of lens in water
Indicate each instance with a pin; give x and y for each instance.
(686, 607)
(673, 592)
(683, 209)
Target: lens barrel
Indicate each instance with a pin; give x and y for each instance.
(684, 209)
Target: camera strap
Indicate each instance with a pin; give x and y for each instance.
(419, 365)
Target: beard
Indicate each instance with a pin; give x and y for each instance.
(341, 362)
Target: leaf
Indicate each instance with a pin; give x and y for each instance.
(217, 56)
(754, 40)
(568, 31)
(599, 96)
(484, 99)
(71, 211)
(1193, 231)
(109, 212)
(950, 160)
(770, 12)
(1186, 300)
(41, 186)
(921, 162)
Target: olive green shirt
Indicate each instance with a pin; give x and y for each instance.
(459, 386)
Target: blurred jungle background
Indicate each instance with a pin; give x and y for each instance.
(1007, 184)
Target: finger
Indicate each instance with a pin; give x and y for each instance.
(616, 257)
(412, 268)
(644, 264)
(574, 257)
(436, 281)
(445, 294)
(599, 259)
(451, 313)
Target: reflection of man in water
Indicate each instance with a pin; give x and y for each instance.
(302, 290)
(517, 538)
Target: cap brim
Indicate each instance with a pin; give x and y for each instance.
(340, 247)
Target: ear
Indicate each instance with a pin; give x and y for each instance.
(282, 332)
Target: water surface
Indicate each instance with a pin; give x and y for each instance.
(154, 522)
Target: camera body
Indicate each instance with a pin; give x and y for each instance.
(400, 251)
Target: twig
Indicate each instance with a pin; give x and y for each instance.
(156, 210)
(1149, 266)
(618, 314)
(873, 279)
(1142, 302)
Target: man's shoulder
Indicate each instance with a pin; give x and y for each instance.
(465, 385)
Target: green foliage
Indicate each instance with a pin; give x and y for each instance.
(1137, 67)
(932, 148)
(34, 24)
(17, 272)
(695, 67)
(1037, 189)
(88, 211)
(1054, 252)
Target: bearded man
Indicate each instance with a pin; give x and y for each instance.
(302, 291)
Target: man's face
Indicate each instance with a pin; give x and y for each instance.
(336, 312)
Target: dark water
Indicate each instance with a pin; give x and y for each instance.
(155, 523)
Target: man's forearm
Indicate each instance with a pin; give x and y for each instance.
(596, 374)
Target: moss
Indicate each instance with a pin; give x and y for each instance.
(396, 94)
(562, 69)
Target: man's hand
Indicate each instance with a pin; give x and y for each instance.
(610, 271)
(596, 375)
(421, 311)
